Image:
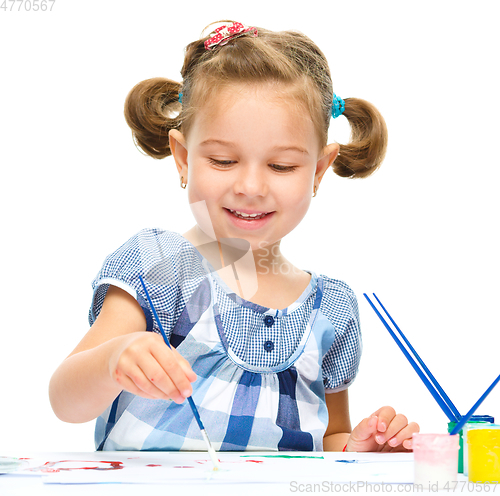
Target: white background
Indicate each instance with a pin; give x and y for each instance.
(421, 233)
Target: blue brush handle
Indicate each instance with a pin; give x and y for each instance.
(469, 414)
(154, 312)
(429, 386)
(445, 397)
(190, 400)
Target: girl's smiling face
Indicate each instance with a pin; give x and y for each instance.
(252, 150)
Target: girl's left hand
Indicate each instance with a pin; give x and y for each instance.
(383, 431)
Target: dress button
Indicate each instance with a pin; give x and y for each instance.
(268, 320)
(269, 346)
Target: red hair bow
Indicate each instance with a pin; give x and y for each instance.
(223, 34)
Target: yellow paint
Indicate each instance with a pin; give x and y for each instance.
(484, 455)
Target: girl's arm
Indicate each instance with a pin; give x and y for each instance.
(339, 422)
(117, 353)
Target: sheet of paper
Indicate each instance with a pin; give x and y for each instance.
(245, 468)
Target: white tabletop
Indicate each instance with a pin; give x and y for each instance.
(124, 473)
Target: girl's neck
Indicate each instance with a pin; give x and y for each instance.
(223, 252)
(260, 277)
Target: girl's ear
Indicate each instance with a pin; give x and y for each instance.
(178, 148)
(327, 157)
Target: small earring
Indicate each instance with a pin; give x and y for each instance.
(183, 184)
(315, 190)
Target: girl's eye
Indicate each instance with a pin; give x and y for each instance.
(283, 168)
(275, 167)
(221, 163)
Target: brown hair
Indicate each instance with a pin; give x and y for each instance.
(152, 107)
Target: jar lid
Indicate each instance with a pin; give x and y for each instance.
(482, 418)
(475, 426)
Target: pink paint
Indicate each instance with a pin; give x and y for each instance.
(153, 465)
(183, 466)
(436, 459)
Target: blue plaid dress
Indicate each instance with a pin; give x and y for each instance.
(262, 372)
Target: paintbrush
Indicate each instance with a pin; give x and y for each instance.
(432, 389)
(444, 401)
(469, 414)
(434, 381)
(204, 434)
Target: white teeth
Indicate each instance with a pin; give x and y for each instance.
(243, 215)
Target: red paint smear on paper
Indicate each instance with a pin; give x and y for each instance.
(49, 467)
(182, 466)
(153, 465)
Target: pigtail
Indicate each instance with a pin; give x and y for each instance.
(152, 109)
(366, 150)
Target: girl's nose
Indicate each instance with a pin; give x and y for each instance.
(251, 181)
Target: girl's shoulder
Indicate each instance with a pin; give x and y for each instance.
(167, 263)
(153, 253)
(155, 239)
(338, 299)
(152, 243)
(337, 286)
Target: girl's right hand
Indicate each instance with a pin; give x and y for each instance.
(144, 365)
(117, 353)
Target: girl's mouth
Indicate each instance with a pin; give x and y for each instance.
(247, 221)
(245, 216)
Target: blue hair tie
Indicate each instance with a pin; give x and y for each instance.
(180, 97)
(338, 106)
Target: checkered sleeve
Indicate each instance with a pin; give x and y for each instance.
(153, 254)
(341, 362)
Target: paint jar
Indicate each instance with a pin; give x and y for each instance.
(462, 453)
(436, 459)
(484, 453)
(476, 420)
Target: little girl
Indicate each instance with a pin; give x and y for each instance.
(266, 350)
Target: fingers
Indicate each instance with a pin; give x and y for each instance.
(394, 429)
(171, 373)
(185, 366)
(366, 428)
(404, 437)
(383, 431)
(145, 366)
(362, 436)
(385, 416)
(129, 384)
